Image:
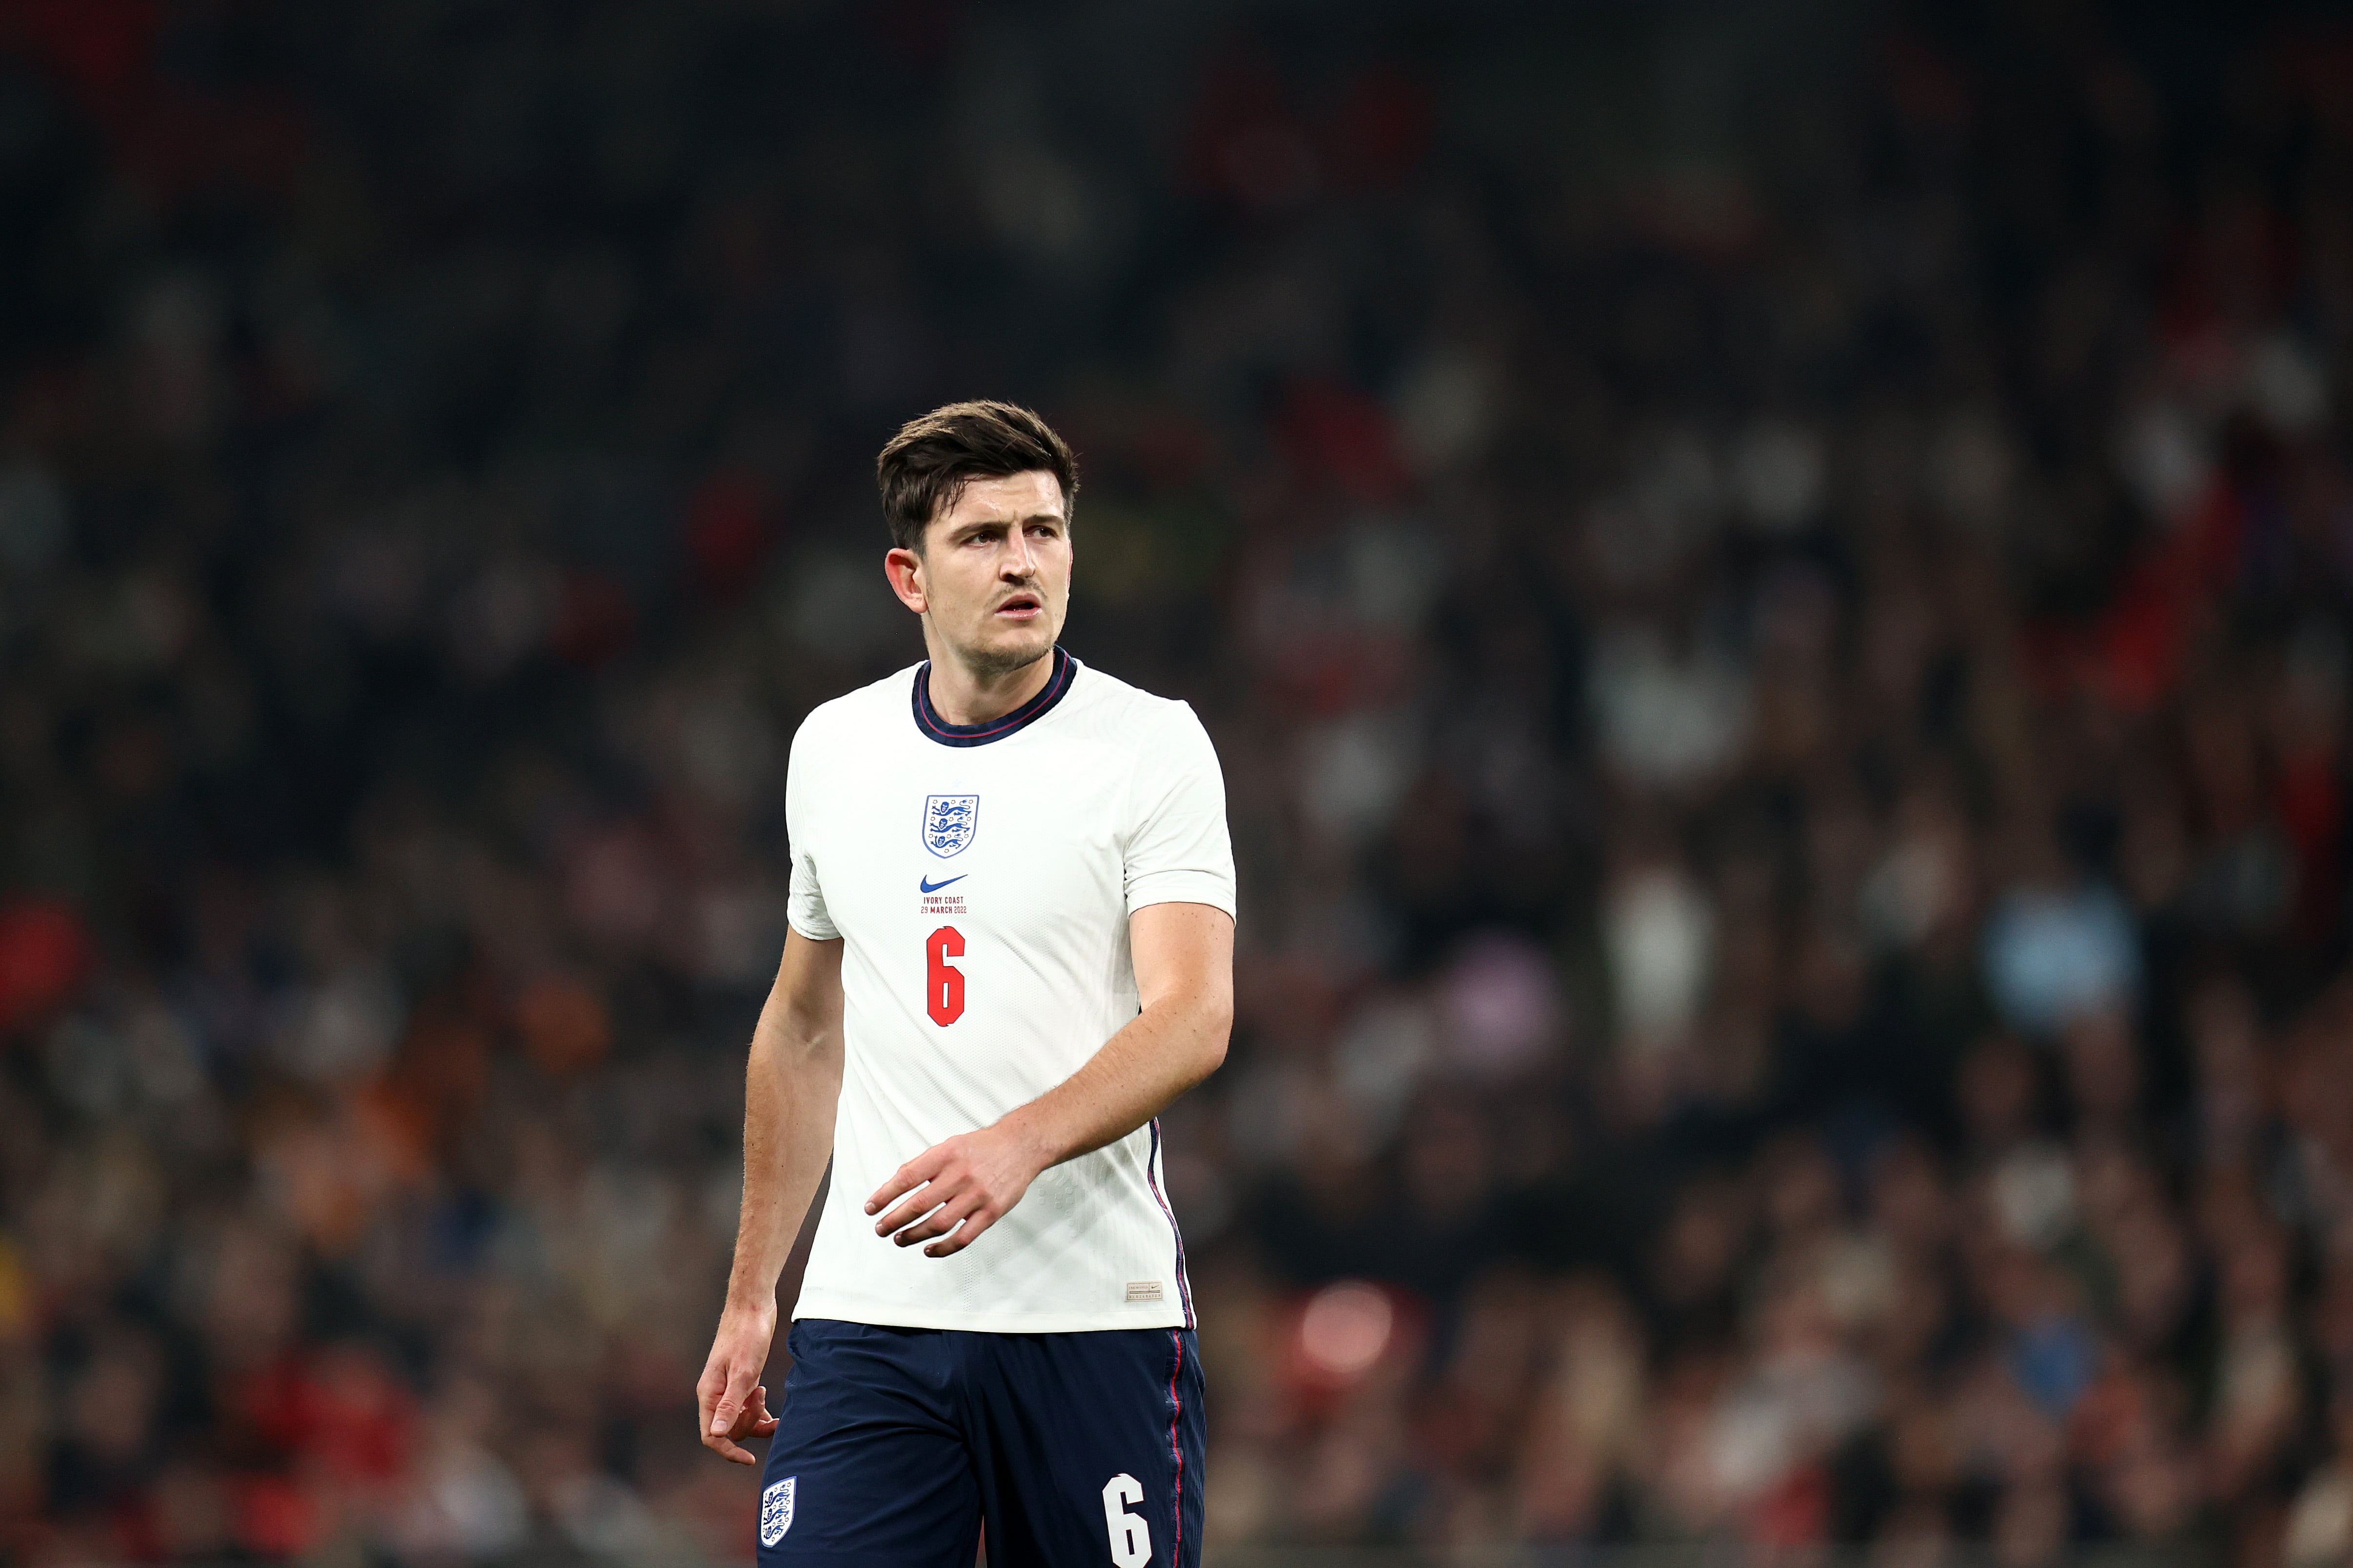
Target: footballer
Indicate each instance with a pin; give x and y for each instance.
(1011, 945)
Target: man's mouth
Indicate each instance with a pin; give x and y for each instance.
(1021, 608)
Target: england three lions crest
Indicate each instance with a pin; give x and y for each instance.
(776, 1511)
(949, 823)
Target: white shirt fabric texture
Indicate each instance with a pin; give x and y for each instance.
(1013, 855)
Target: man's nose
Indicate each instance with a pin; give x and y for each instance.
(1020, 559)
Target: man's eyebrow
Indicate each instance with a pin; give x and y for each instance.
(964, 531)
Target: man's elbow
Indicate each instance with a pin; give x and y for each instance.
(1217, 1027)
(796, 1047)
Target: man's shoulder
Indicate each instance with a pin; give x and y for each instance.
(863, 707)
(1115, 707)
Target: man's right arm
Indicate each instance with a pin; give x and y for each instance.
(790, 1088)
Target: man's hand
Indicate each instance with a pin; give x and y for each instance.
(729, 1396)
(962, 1185)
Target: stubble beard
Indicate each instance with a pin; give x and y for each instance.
(992, 664)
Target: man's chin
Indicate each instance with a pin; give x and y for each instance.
(1009, 651)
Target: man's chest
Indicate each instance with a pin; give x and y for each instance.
(1023, 851)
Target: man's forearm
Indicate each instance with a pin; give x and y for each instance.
(953, 1191)
(1162, 1051)
(791, 1086)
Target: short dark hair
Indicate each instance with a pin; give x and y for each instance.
(925, 467)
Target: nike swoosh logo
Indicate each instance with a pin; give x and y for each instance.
(931, 887)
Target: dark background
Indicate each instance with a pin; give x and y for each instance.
(1770, 581)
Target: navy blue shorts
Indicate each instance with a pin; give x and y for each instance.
(894, 1445)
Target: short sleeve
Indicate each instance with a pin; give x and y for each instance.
(1178, 849)
(805, 904)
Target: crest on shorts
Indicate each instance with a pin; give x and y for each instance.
(776, 1511)
(949, 823)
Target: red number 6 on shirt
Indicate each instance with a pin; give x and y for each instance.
(943, 981)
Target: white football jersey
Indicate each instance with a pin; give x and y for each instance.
(981, 878)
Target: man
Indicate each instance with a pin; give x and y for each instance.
(1011, 944)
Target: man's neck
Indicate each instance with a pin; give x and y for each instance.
(963, 698)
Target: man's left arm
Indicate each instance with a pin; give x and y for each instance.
(1184, 957)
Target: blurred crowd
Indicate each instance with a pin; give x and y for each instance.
(1770, 583)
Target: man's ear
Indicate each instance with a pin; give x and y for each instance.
(904, 568)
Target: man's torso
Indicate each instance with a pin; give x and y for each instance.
(981, 892)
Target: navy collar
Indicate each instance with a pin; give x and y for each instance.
(928, 721)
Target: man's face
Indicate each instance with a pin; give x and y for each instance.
(994, 575)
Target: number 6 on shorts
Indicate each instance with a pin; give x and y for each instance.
(1130, 1538)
